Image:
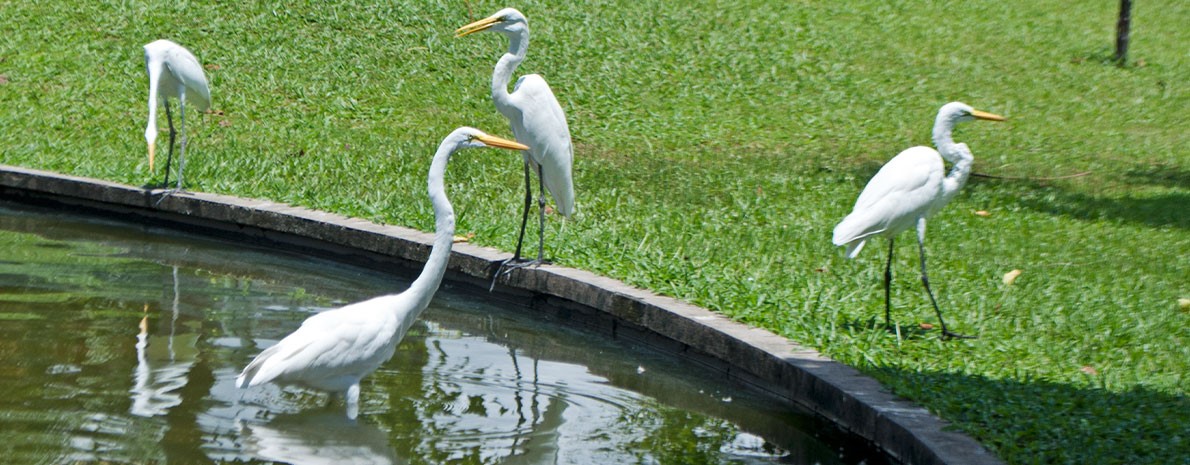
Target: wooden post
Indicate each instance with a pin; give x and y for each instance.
(1122, 27)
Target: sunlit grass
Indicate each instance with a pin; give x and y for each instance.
(716, 147)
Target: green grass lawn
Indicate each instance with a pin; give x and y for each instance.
(716, 148)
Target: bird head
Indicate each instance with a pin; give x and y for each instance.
(506, 21)
(958, 112)
(466, 137)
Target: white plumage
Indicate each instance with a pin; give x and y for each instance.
(909, 189)
(333, 350)
(537, 121)
(905, 189)
(175, 73)
(542, 126)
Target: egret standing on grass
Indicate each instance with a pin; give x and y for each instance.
(537, 121)
(334, 349)
(907, 190)
(173, 72)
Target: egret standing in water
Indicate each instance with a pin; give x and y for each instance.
(908, 189)
(537, 121)
(173, 72)
(334, 349)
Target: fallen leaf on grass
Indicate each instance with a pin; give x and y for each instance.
(3, 79)
(465, 237)
(1088, 369)
(1010, 277)
(983, 213)
(925, 326)
(212, 66)
(224, 123)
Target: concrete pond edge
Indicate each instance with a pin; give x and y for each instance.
(857, 403)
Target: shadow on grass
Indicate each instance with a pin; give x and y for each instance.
(1159, 210)
(906, 331)
(1044, 422)
(1159, 175)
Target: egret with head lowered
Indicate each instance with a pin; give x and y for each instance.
(333, 350)
(909, 189)
(537, 121)
(175, 73)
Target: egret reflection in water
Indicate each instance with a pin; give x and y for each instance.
(162, 362)
(319, 437)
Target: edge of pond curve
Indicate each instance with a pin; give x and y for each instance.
(857, 403)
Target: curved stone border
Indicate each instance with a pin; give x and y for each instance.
(840, 393)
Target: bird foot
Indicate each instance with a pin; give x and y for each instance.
(952, 335)
(513, 263)
(165, 193)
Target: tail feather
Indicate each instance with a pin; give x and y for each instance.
(245, 378)
(853, 232)
(854, 247)
(250, 376)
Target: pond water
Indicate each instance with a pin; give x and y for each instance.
(120, 344)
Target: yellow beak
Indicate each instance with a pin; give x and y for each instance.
(478, 26)
(152, 151)
(988, 116)
(493, 141)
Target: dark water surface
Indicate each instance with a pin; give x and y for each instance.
(121, 343)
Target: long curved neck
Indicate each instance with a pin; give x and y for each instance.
(154, 69)
(427, 282)
(957, 154)
(518, 46)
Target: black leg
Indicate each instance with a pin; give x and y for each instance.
(925, 281)
(540, 216)
(524, 213)
(516, 256)
(182, 153)
(169, 119)
(888, 282)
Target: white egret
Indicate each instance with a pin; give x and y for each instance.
(537, 121)
(334, 349)
(908, 189)
(163, 363)
(173, 72)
